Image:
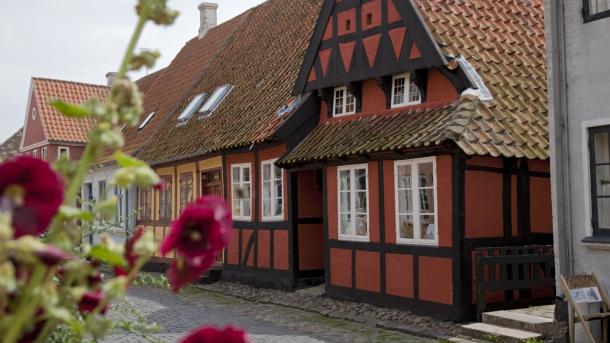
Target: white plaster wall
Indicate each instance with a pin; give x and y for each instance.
(588, 81)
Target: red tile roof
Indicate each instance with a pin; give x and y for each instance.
(173, 83)
(57, 127)
(262, 61)
(10, 147)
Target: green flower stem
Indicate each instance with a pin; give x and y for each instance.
(134, 41)
(26, 308)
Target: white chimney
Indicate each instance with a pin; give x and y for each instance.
(207, 11)
(110, 78)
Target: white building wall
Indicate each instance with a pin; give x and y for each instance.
(584, 62)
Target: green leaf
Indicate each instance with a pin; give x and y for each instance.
(102, 253)
(70, 110)
(127, 161)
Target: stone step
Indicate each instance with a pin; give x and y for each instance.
(520, 321)
(493, 332)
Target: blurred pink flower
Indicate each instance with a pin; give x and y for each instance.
(32, 191)
(208, 334)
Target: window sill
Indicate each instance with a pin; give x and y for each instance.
(417, 243)
(272, 219)
(354, 239)
(597, 242)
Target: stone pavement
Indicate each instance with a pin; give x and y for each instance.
(179, 314)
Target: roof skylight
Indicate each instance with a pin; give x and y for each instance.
(192, 107)
(146, 120)
(215, 100)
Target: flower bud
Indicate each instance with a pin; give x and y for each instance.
(146, 177)
(145, 246)
(8, 283)
(117, 287)
(52, 256)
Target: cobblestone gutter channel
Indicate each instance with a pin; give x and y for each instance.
(313, 300)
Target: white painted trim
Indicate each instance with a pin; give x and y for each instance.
(414, 163)
(59, 148)
(345, 92)
(407, 77)
(241, 166)
(586, 125)
(34, 146)
(273, 184)
(353, 237)
(27, 116)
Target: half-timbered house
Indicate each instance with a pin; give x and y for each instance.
(432, 143)
(223, 139)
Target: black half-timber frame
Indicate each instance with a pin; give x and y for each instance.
(386, 62)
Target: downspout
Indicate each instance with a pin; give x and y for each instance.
(560, 140)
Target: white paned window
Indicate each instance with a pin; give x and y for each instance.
(416, 203)
(598, 6)
(404, 91)
(35, 153)
(241, 190)
(63, 151)
(43, 153)
(273, 192)
(352, 187)
(344, 102)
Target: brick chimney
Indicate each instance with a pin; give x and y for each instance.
(207, 11)
(110, 78)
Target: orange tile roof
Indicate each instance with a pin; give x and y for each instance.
(504, 41)
(262, 61)
(57, 127)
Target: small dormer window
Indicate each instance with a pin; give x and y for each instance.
(215, 100)
(33, 113)
(193, 107)
(146, 120)
(344, 102)
(405, 91)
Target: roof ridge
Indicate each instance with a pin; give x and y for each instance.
(68, 81)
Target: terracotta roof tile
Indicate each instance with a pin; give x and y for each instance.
(10, 147)
(56, 126)
(262, 61)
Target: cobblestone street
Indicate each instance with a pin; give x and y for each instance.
(179, 314)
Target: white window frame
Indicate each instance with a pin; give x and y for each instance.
(240, 184)
(407, 91)
(353, 236)
(414, 163)
(60, 149)
(273, 186)
(344, 106)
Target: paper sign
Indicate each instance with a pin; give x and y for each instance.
(586, 295)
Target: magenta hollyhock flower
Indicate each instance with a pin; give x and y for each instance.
(32, 191)
(203, 230)
(209, 334)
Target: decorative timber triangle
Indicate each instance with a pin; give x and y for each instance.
(356, 40)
